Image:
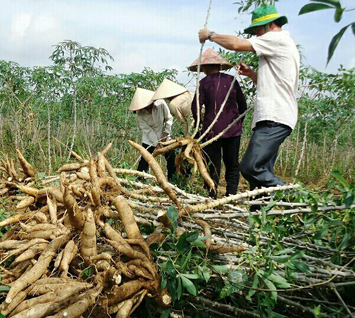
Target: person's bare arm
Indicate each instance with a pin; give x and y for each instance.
(229, 42)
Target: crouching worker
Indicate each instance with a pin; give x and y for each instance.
(180, 100)
(212, 93)
(155, 121)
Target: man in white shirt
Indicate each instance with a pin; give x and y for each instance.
(275, 113)
(155, 121)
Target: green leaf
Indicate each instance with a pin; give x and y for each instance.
(255, 285)
(206, 273)
(187, 260)
(313, 7)
(297, 255)
(4, 289)
(320, 234)
(279, 280)
(334, 3)
(191, 276)
(179, 288)
(228, 289)
(280, 259)
(163, 282)
(338, 176)
(220, 269)
(303, 267)
(173, 216)
(165, 313)
(193, 236)
(334, 42)
(237, 276)
(271, 286)
(285, 251)
(198, 243)
(188, 284)
(338, 14)
(349, 199)
(2, 316)
(345, 242)
(181, 245)
(335, 223)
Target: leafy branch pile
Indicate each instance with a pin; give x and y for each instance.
(74, 247)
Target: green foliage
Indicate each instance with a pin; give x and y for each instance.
(186, 271)
(329, 4)
(245, 5)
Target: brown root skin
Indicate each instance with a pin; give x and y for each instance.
(125, 291)
(24, 203)
(27, 168)
(147, 265)
(208, 233)
(129, 223)
(69, 252)
(180, 142)
(123, 268)
(69, 167)
(196, 151)
(38, 269)
(112, 277)
(76, 309)
(107, 149)
(163, 298)
(34, 301)
(8, 308)
(221, 249)
(95, 190)
(53, 209)
(88, 237)
(30, 253)
(156, 237)
(76, 217)
(158, 172)
(128, 251)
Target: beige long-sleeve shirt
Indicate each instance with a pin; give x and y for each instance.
(156, 124)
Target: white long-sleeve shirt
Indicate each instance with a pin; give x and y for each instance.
(156, 124)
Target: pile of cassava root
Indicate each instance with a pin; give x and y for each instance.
(73, 246)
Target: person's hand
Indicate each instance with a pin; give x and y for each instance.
(244, 69)
(158, 146)
(203, 35)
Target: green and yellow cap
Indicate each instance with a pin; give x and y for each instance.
(263, 15)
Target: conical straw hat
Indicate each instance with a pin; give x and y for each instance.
(168, 89)
(210, 57)
(142, 98)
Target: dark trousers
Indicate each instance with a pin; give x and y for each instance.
(170, 160)
(257, 166)
(228, 149)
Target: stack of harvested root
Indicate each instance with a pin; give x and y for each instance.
(60, 257)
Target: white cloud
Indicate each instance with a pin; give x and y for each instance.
(19, 25)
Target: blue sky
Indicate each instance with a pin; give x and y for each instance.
(157, 34)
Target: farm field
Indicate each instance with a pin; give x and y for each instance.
(84, 234)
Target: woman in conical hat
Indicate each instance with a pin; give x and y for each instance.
(155, 121)
(180, 100)
(275, 112)
(212, 93)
